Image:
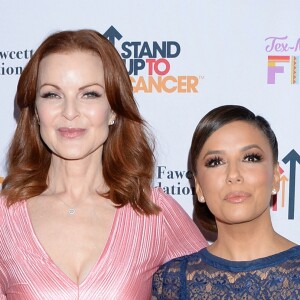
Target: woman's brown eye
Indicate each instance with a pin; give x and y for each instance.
(253, 157)
(213, 162)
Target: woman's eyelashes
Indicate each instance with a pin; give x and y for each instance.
(92, 95)
(253, 157)
(86, 95)
(50, 95)
(215, 161)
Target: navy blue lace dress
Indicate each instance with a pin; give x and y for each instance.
(205, 276)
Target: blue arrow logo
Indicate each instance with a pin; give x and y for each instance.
(112, 34)
(292, 157)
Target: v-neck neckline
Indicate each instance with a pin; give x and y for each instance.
(43, 252)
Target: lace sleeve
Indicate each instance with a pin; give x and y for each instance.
(157, 283)
(169, 281)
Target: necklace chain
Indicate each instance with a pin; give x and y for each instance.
(71, 210)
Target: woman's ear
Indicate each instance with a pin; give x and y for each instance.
(199, 191)
(112, 118)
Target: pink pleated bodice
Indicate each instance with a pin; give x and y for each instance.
(136, 247)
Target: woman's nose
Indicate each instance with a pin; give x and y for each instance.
(70, 109)
(233, 174)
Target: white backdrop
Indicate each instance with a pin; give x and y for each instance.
(214, 53)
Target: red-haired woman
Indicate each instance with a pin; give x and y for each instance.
(78, 218)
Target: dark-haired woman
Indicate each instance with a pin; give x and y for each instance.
(234, 158)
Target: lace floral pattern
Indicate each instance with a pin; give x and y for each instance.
(205, 276)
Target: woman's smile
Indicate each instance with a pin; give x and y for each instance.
(71, 133)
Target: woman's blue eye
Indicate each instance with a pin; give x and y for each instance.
(91, 95)
(49, 95)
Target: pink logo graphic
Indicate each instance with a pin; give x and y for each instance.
(284, 66)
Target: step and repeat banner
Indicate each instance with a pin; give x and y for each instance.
(184, 58)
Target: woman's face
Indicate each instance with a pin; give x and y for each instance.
(236, 173)
(71, 104)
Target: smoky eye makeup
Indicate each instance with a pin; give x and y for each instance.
(214, 161)
(253, 157)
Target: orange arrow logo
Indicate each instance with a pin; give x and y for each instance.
(283, 180)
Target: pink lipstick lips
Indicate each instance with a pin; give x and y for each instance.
(237, 197)
(71, 132)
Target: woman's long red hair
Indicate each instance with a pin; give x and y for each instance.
(128, 161)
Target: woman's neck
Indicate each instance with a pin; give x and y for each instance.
(248, 241)
(77, 178)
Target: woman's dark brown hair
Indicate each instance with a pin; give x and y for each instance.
(211, 122)
(128, 161)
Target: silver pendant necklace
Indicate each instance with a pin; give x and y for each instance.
(71, 210)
